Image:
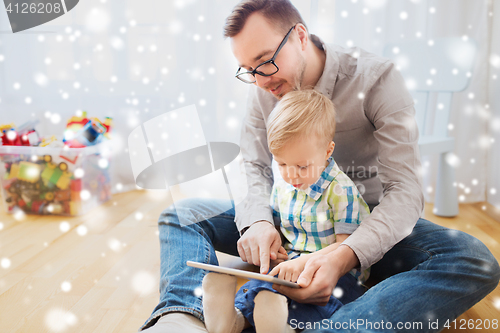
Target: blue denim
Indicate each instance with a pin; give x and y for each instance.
(433, 275)
(299, 312)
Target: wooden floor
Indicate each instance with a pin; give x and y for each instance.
(100, 272)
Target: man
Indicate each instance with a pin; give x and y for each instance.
(428, 274)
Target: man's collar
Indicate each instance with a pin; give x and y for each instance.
(316, 190)
(326, 82)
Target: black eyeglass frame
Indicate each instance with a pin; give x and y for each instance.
(255, 71)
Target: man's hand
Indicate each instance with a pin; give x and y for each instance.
(321, 274)
(260, 244)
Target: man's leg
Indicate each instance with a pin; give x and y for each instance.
(180, 285)
(432, 276)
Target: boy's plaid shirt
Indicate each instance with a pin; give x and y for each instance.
(310, 218)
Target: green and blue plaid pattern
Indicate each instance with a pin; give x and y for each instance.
(310, 218)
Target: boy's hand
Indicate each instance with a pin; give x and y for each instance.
(320, 276)
(260, 244)
(290, 270)
(282, 256)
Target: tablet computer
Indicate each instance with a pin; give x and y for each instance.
(242, 274)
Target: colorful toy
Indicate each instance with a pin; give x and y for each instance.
(53, 208)
(25, 135)
(48, 172)
(58, 176)
(49, 196)
(108, 124)
(76, 123)
(10, 137)
(14, 171)
(36, 206)
(75, 196)
(64, 180)
(92, 133)
(29, 172)
(71, 158)
(63, 195)
(47, 141)
(82, 131)
(6, 127)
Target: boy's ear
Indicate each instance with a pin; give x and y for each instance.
(331, 147)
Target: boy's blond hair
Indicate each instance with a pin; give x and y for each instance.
(301, 113)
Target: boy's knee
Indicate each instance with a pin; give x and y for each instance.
(270, 299)
(216, 280)
(210, 279)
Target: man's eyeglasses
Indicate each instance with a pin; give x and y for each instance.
(267, 68)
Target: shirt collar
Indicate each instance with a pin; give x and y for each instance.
(315, 191)
(326, 82)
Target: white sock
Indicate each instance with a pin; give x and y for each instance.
(271, 313)
(218, 304)
(175, 322)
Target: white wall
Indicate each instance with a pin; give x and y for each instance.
(370, 24)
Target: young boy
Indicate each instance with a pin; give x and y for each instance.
(319, 207)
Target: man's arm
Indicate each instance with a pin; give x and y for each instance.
(257, 163)
(260, 241)
(389, 107)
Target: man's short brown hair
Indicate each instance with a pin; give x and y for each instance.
(280, 13)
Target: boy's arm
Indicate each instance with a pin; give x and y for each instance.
(339, 239)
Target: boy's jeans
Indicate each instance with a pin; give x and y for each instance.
(433, 275)
(299, 312)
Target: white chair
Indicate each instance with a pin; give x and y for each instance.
(433, 71)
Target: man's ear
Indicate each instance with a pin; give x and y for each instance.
(303, 35)
(329, 151)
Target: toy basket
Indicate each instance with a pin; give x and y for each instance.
(59, 181)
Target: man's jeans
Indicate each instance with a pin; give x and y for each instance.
(433, 275)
